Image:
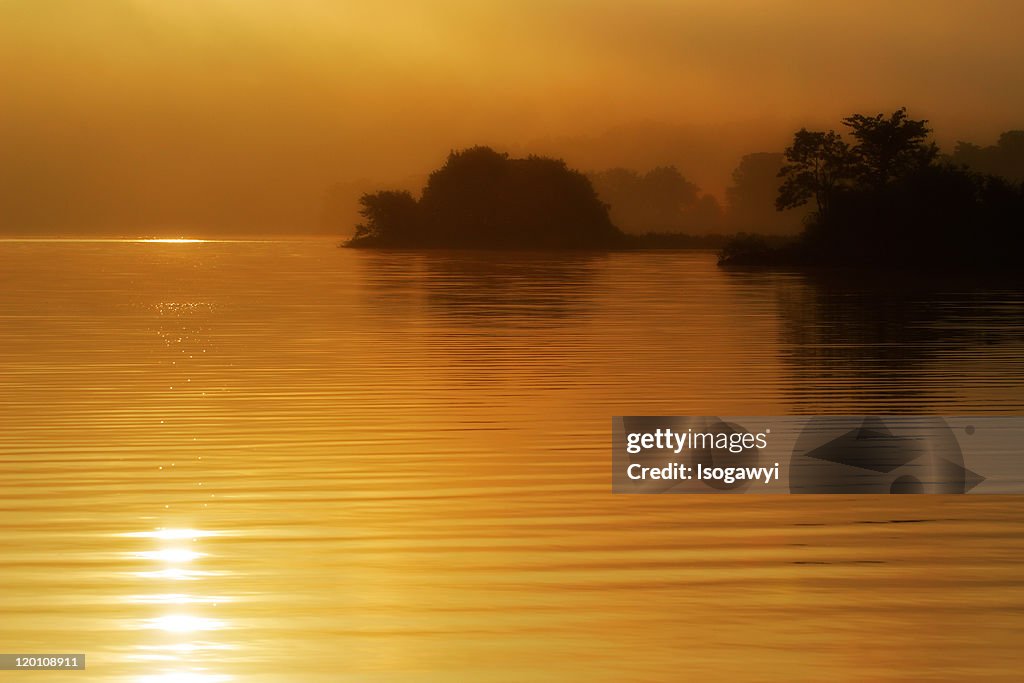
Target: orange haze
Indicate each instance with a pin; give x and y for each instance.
(204, 116)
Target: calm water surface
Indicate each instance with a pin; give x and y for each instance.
(281, 461)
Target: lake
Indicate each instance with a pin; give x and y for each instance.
(278, 461)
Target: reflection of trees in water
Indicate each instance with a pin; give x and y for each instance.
(897, 341)
(493, 289)
(487, 318)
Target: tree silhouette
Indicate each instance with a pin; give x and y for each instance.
(484, 199)
(1005, 158)
(888, 202)
(389, 213)
(817, 165)
(660, 200)
(889, 148)
(751, 196)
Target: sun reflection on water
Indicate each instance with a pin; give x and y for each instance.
(169, 555)
(171, 240)
(184, 623)
(182, 628)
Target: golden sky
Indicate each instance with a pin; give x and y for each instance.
(237, 114)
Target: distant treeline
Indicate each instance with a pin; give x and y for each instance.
(484, 199)
(887, 198)
(662, 200)
(883, 197)
(1004, 159)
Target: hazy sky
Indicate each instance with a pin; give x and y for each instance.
(192, 115)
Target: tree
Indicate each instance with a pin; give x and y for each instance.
(889, 148)
(751, 197)
(481, 198)
(390, 213)
(817, 165)
(1005, 158)
(667, 185)
(660, 200)
(705, 215)
(886, 203)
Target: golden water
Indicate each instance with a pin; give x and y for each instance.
(281, 461)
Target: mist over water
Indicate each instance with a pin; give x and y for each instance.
(268, 460)
(281, 461)
(230, 117)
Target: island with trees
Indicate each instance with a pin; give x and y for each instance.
(881, 196)
(887, 198)
(483, 199)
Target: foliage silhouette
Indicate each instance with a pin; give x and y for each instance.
(889, 148)
(890, 201)
(659, 201)
(817, 164)
(390, 212)
(484, 199)
(751, 196)
(1005, 158)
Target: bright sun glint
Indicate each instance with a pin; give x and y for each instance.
(169, 555)
(183, 623)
